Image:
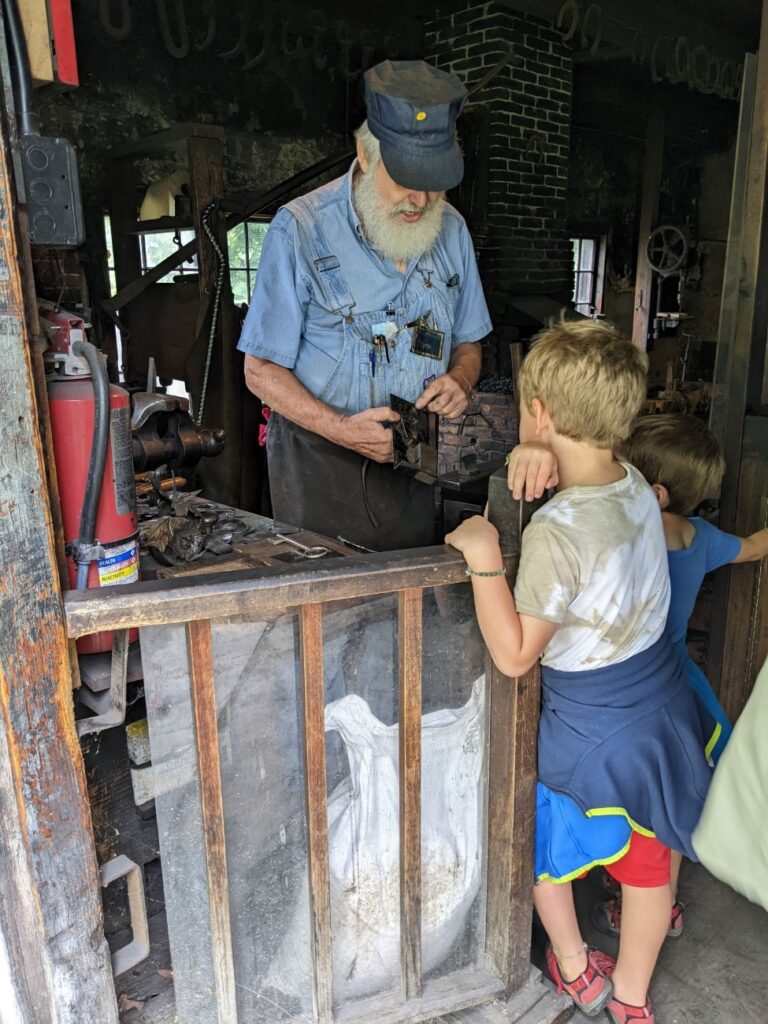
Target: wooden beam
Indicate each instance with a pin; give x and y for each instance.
(260, 590)
(50, 907)
(313, 690)
(740, 356)
(212, 807)
(649, 210)
(514, 720)
(745, 617)
(171, 138)
(740, 279)
(409, 637)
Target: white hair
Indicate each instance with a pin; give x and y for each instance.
(371, 146)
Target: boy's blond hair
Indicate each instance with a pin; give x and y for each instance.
(678, 451)
(591, 380)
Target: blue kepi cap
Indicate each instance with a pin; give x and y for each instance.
(412, 111)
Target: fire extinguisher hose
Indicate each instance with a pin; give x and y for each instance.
(98, 452)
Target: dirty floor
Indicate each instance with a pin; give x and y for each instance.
(716, 973)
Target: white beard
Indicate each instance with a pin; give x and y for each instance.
(390, 236)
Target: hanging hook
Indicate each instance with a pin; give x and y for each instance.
(120, 31)
(180, 49)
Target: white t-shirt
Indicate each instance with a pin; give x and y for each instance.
(594, 560)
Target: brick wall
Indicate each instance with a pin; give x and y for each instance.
(521, 235)
(487, 431)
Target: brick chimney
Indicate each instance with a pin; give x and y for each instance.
(516, 138)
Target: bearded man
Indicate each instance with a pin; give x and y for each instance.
(368, 287)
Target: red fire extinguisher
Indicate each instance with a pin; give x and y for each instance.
(90, 423)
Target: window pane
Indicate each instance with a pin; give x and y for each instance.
(587, 260)
(239, 280)
(237, 247)
(257, 232)
(584, 288)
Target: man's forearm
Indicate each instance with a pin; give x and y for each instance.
(278, 388)
(466, 361)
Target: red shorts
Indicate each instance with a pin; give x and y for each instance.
(646, 864)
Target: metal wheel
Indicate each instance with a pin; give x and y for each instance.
(667, 249)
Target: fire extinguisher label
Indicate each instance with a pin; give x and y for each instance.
(120, 566)
(122, 461)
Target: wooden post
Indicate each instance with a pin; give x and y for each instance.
(224, 391)
(409, 635)
(212, 807)
(312, 680)
(649, 209)
(744, 619)
(50, 910)
(514, 719)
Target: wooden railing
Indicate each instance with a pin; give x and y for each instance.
(511, 764)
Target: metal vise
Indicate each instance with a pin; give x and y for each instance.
(164, 433)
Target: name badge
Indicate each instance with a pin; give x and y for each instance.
(426, 341)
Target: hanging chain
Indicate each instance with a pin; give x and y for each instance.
(216, 304)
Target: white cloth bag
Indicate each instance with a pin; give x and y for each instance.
(364, 850)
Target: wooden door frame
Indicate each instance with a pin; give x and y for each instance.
(54, 959)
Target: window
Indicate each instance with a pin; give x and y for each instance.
(244, 243)
(585, 253)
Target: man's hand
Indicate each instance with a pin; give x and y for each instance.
(447, 395)
(366, 434)
(532, 470)
(478, 541)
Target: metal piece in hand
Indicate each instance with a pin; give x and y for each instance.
(318, 551)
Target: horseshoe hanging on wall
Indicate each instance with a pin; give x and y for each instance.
(117, 32)
(266, 40)
(239, 47)
(210, 33)
(181, 49)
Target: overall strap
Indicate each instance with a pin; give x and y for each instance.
(329, 276)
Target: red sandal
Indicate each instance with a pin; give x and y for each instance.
(623, 1013)
(591, 990)
(606, 917)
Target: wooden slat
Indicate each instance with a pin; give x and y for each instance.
(409, 633)
(311, 619)
(260, 590)
(514, 718)
(212, 804)
(454, 992)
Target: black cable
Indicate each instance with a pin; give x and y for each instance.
(28, 121)
(100, 439)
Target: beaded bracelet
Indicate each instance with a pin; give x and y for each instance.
(496, 572)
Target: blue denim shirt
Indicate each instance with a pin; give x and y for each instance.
(324, 334)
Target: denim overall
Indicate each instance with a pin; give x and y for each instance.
(318, 485)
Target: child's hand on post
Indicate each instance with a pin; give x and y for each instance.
(531, 470)
(478, 541)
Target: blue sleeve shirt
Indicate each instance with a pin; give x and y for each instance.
(294, 322)
(711, 548)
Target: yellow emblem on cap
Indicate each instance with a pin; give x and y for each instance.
(421, 116)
